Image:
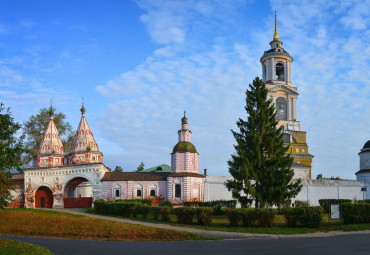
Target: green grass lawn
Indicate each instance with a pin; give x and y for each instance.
(11, 247)
(220, 223)
(49, 223)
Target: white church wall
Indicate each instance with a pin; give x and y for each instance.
(214, 188)
(312, 190)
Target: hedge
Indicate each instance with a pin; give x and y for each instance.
(217, 205)
(356, 213)
(324, 203)
(262, 217)
(309, 216)
(185, 215)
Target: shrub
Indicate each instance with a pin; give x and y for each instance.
(145, 209)
(311, 216)
(217, 205)
(165, 212)
(166, 203)
(234, 217)
(204, 215)
(266, 217)
(299, 203)
(356, 213)
(324, 203)
(185, 215)
(156, 212)
(249, 217)
(291, 216)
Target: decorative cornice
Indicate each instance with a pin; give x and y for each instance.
(290, 91)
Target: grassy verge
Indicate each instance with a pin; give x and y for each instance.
(220, 223)
(47, 223)
(11, 247)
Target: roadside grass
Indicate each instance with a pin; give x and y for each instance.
(48, 223)
(220, 223)
(12, 247)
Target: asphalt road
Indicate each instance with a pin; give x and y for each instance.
(354, 244)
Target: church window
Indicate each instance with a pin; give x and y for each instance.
(152, 192)
(264, 73)
(280, 72)
(138, 193)
(178, 190)
(281, 108)
(286, 138)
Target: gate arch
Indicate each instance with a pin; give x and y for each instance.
(44, 197)
(78, 192)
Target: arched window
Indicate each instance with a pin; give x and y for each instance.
(281, 108)
(139, 190)
(264, 73)
(280, 75)
(286, 138)
(117, 191)
(178, 190)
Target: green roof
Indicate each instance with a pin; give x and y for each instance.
(184, 147)
(160, 168)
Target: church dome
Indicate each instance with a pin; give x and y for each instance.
(184, 147)
(366, 145)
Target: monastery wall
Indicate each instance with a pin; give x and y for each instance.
(312, 190)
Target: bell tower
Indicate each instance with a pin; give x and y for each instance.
(276, 73)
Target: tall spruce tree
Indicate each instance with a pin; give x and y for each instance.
(260, 166)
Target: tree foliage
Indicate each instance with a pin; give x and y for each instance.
(118, 169)
(11, 149)
(260, 166)
(35, 127)
(140, 167)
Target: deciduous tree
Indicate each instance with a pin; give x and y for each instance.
(11, 149)
(35, 127)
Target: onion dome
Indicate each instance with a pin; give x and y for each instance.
(84, 138)
(184, 147)
(184, 120)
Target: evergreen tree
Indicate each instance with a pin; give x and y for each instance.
(140, 167)
(118, 169)
(260, 166)
(11, 148)
(35, 127)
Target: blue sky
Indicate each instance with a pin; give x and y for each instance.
(140, 64)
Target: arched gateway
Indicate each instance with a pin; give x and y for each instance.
(59, 179)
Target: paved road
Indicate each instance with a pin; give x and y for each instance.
(356, 244)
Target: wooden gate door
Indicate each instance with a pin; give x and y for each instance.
(44, 198)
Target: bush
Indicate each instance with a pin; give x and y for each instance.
(156, 212)
(266, 217)
(185, 215)
(204, 215)
(234, 216)
(291, 216)
(145, 209)
(324, 203)
(249, 217)
(356, 213)
(166, 203)
(142, 201)
(165, 212)
(217, 205)
(299, 203)
(311, 217)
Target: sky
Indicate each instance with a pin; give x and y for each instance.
(140, 64)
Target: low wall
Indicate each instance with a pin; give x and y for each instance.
(312, 190)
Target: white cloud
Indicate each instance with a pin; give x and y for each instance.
(206, 72)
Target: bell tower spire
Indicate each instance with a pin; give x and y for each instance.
(276, 35)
